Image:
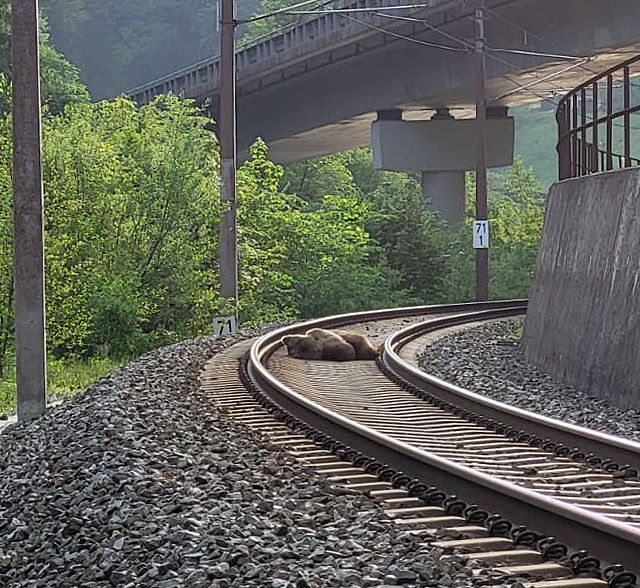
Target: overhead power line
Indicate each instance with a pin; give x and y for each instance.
(492, 50)
(439, 30)
(383, 12)
(543, 79)
(280, 29)
(403, 37)
(550, 42)
(277, 12)
(536, 54)
(292, 10)
(467, 47)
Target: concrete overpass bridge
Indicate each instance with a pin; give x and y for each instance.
(316, 87)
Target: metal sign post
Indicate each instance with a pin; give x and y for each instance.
(228, 222)
(482, 253)
(28, 236)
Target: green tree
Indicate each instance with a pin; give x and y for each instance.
(132, 218)
(413, 238)
(516, 214)
(410, 240)
(132, 214)
(60, 80)
(306, 257)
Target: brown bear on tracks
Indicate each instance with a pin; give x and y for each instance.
(331, 348)
(361, 345)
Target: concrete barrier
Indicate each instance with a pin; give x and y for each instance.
(583, 321)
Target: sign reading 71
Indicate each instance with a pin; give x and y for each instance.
(481, 234)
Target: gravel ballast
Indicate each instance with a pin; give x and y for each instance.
(140, 482)
(489, 360)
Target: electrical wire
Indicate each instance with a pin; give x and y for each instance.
(403, 37)
(349, 10)
(544, 79)
(467, 48)
(430, 27)
(557, 45)
(548, 41)
(281, 28)
(535, 53)
(504, 62)
(277, 12)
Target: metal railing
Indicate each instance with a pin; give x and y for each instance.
(595, 125)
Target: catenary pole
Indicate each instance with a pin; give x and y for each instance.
(228, 223)
(482, 252)
(28, 247)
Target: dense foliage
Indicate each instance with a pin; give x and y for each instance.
(132, 213)
(131, 198)
(60, 84)
(132, 209)
(432, 262)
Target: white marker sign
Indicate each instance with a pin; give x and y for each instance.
(481, 234)
(224, 325)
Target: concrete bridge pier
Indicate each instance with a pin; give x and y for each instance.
(445, 193)
(445, 190)
(442, 149)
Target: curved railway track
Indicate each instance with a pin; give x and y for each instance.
(439, 457)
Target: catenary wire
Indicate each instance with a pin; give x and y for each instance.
(292, 10)
(467, 48)
(549, 41)
(281, 28)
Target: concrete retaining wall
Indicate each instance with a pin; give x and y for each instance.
(583, 322)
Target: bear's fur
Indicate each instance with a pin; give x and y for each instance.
(363, 347)
(334, 347)
(318, 345)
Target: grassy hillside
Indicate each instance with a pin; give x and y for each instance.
(536, 138)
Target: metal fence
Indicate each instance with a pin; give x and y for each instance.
(595, 123)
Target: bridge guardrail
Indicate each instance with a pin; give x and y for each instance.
(203, 76)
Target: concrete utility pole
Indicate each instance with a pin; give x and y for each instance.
(481, 226)
(228, 223)
(28, 237)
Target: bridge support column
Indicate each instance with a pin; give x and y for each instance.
(442, 149)
(446, 193)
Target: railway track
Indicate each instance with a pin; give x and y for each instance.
(443, 461)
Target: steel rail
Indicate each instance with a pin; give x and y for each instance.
(610, 539)
(603, 445)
